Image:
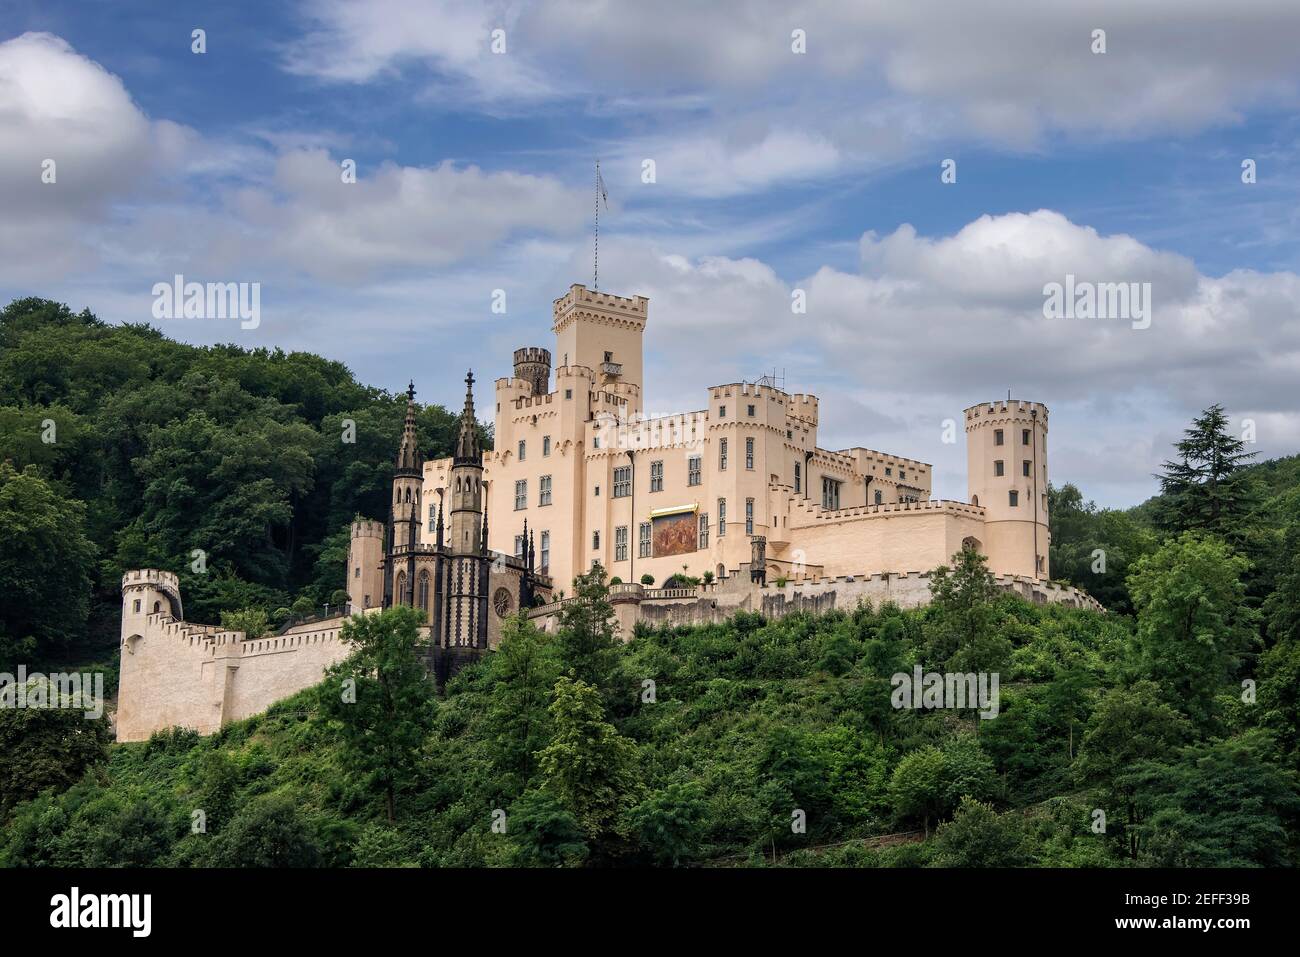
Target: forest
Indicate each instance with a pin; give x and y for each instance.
(1164, 732)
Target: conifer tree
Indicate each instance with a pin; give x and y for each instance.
(1205, 489)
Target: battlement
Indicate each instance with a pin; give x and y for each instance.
(803, 406)
(367, 528)
(1003, 410)
(533, 354)
(154, 577)
(892, 509)
(580, 300)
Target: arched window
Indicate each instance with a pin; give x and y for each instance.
(400, 597)
(422, 593)
(157, 607)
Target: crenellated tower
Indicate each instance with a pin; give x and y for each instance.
(1006, 474)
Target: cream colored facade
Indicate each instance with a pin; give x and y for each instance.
(805, 528)
(576, 457)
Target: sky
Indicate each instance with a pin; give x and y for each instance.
(871, 199)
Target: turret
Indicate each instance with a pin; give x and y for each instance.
(466, 482)
(533, 365)
(1006, 462)
(365, 578)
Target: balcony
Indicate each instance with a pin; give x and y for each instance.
(611, 368)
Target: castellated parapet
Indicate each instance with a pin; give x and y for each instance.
(176, 673)
(533, 365)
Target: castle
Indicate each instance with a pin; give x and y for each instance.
(729, 507)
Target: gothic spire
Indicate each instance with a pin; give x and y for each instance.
(468, 449)
(409, 458)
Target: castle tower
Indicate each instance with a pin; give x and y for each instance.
(466, 482)
(1006, 474)
(603, 333)
(533, 365)
(404, 520)
(148, 596)
(365, 579)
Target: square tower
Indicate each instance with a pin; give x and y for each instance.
(602, 332)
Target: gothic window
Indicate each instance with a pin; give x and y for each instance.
(522, 448)
(546, 550)
(623, 481)
(722, 517)
(595, 541)
(620, 543)
(879, 497)
(751, 411)
(643, 540)
(544, 490)
(749, 454)
(656, 476)
(749, 516)
(798, 478)
(546, 445)
(423, 595)
(521, 494)
(400, 597)
(704, 530)
(722, 455)
(693, 470)
(519, 546)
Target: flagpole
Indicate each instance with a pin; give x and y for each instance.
(595, 260)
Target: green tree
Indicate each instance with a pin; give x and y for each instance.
(520, 674)
(588, 641)
(1193, 623)
(251, 621)
(545, 833)
(1128, 727)
(918, 788)
(46, 747)
(588, 765)
(46, 563)
(1204, 488)
(269, 832)
(669, 823)
(978, 836)
(380, 700)
(960, 629)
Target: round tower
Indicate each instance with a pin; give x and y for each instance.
(533, 365)
(1006, 474)
(365, 577)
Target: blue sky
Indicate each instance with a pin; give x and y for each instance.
(775, 171)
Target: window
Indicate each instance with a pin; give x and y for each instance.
(704, 530)
(546, 445)
(519, 546)
(722, 454)
(997, 467)
(830, 493)
(750, 411)
(997, 436)
(656, 476)
(595, 441)
(880, 499)
(722, 517)
(623, 481)
(356, 572)
(137, 606)
(609, 357)
(643, 540)
(722, 411)
(902, 475)
(568, 393)
(798, 477)
(1026, 468)
(431, 517)
(1013, 498)
(597, 491)
(620, 544)
(1024, 436)
(546, 550)
(693, 470)
(422, 591)
(595, 541)
(522, 448)
(544, 490)
(749, 516)
(521, 494)
(749, 454)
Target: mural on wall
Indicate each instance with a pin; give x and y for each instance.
(675, 534)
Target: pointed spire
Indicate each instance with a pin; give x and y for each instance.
(409, 458)
(468, 448)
